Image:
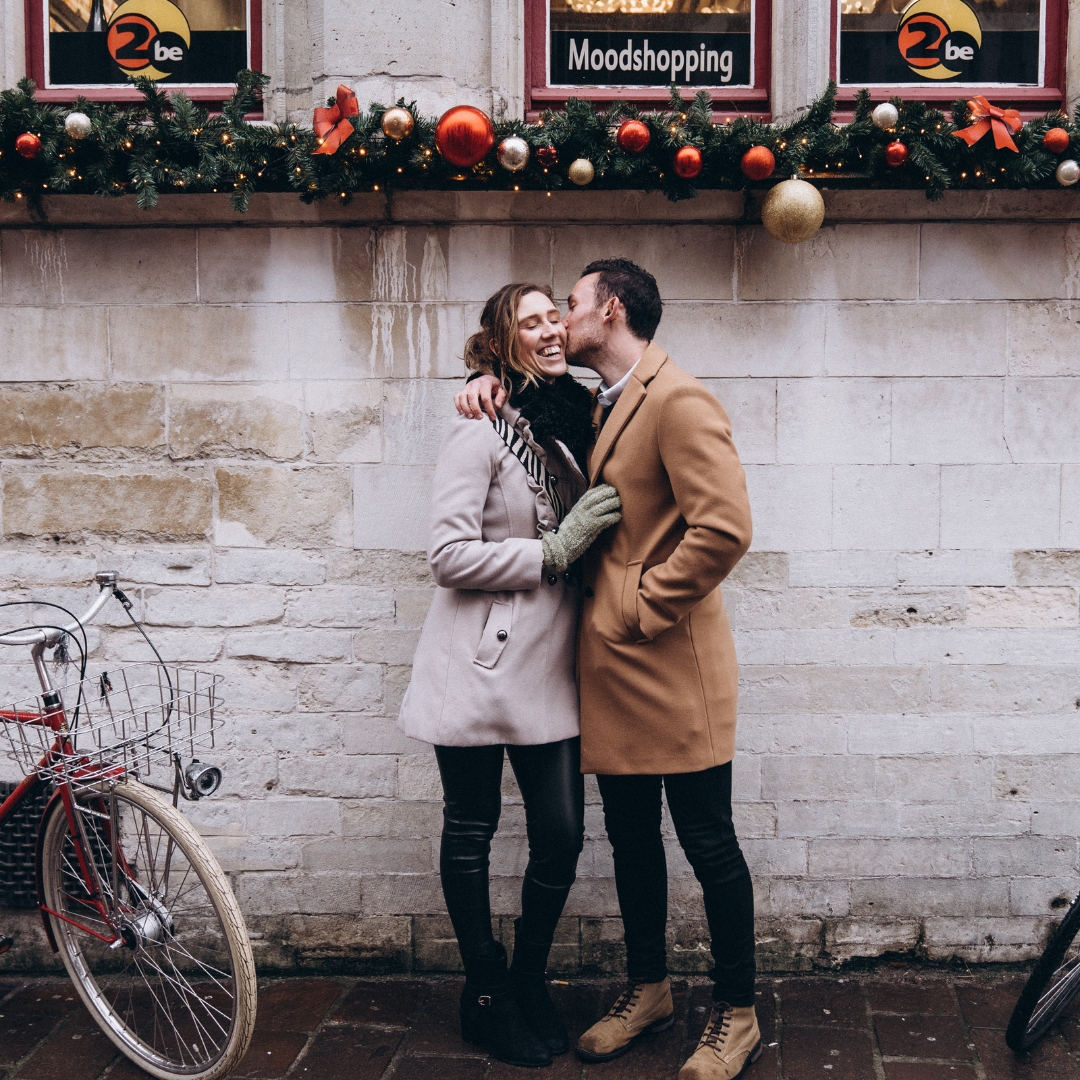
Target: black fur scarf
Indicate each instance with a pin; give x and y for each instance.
(557, 410)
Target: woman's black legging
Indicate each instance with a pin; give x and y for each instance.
(553, 789)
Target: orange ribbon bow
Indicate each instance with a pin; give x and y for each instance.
(332, 125)
(986, 117)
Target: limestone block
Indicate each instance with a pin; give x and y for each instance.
(242, 853)
(344, 421)
(1041, 856)
(996, 817)
(689, 262)
(391, 506)
(269, 689)
(252, 266)
(827, 818)
(1040, 419)
(948, 421)
(1047, 567)
(907, 607)
(385, 646)
(221, 606)
(999, 506)
(840, 262)
(885, 506)
(418, 777)
(69, 343)
(782, 856)
(755, 820)
(339, 776)
(954, 567)
(291, 646)
(1057, 819)
(1041, 895)
(261, 506)
(165, 505)
(148, 565)
(760, 646)
(1010, 688)
(1026, 606)
(403, 894)
(410, 264)
(904, 733)
(175, 646)
(808, 897)
(395, 683)
(928, 896)
(947, 779)
(296, 891)
(915, 339)
(745, 341)
(839, 568)
(339, 606)
(763, 569)
(822, 421)
(98, 266)
(234, 421)
(857, 857)
(413, 341)
(373, 817)
(82, 420)
(302, 732)
(364, 733)
(1043, 339)
(251, 566)
(821, 688)
(792, 506)
(341, 687)
(1070, 506)
(786, 734)
(1054, 646)
(786, 777)
(848, 648)
(415, 416)
(198, 343)
(482, 258)
(1034, 775)
(1041, 262)
(22, 569)
(751, 407)
(847, 938)
(369, 855)
(983, 940)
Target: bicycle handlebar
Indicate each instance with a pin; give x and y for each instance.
(106, 580)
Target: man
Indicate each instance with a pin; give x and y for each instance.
(657, 672)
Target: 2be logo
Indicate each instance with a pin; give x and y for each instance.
(939, 39)
(149, 38)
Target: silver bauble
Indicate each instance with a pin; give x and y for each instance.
(77, 125)
(581, 171)
(513, 153)
(885, 116)
(1067, 173)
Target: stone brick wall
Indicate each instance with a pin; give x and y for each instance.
(242, 419)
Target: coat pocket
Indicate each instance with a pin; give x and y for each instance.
(496, 634)
(631, 584)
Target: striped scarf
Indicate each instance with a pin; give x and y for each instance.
(533, 465)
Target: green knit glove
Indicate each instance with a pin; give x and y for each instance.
(596, 510)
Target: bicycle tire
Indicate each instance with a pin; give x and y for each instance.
(1051, 987)
(178, 997)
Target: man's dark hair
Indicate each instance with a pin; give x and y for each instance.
(636, 290)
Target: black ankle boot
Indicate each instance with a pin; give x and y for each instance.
(491, 1018)
(528, 979)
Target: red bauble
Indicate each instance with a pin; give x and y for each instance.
(1056, 140)
(547, 155)
(896, 153)
(688, 162)
(758, 163)
(633, 136)
(28, 145)
(464, 136)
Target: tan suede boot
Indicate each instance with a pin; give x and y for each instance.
(729, 1045)
(642, 1009)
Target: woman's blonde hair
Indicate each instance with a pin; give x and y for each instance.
(493, 349)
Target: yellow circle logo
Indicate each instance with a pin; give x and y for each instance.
(149, 38)
(939, 39)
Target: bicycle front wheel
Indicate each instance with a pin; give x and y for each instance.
(1052, 986)
(153, 938)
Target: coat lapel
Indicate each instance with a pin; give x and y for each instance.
(650, 363)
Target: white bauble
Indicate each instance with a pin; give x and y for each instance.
(885, 116)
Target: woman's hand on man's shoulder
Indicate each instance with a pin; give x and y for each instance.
(483, 396)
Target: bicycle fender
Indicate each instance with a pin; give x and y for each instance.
(45, 920)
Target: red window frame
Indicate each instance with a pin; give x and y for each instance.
(35, 65)
(745, 100)
(1032, 101)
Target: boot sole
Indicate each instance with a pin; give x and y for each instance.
(754, 1055)
(506, 1060)
(653, 1029)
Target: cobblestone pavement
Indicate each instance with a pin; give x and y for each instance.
(893, 1026)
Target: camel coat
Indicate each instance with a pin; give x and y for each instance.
(496, 659)
(656, 659)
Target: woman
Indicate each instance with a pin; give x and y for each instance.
(495, 665)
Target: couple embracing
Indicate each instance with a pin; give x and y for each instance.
(578, 541)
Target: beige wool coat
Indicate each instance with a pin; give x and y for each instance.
(496, 659)
(656, 658)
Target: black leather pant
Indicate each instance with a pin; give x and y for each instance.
(553, 789)
(700, 805)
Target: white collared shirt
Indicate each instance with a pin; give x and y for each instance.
(608, 395)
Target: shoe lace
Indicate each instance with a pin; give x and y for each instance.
(627, 1000)
(719, 1026)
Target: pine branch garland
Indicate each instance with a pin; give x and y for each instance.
(169, 144)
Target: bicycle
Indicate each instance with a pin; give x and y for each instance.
(130, 896)
(1050, 988)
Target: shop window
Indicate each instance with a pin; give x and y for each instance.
(939, 50)
(95, 48)
(633, 50)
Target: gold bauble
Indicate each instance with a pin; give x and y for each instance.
(397, 123)
(581, 172)
(793, 211)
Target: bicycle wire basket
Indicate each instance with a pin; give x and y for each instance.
(129, 720)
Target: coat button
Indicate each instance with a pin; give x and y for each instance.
(588, 591)
(501, 635)
(552, 579)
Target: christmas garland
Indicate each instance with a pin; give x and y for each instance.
(167, 144)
